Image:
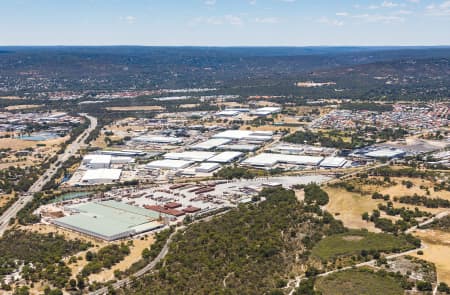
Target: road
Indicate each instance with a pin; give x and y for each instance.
(154, 262)
(71, 149)
(297, 280)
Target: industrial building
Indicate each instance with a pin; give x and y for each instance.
(158, 139)
(265, 111)
(333, 162)
(210, 144)
(124, 153)
(386, 153)
(226, 157)
(100, 161)
(100, 176)
(194, 156)
(109, 220)
(207, 167)
(269, 160)
(95, 161)
(169, 164)
(258, 136)
(239, 147)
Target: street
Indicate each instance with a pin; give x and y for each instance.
(24, 199)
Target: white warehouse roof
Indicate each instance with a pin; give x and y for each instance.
(97, 159)
(385, 153)
(158, 139)
(333, 162)
(225, 157)
(245, 134)
(207, 167)
(268, 160)
(266, 111)
(101, 174)
(210, 144)
(169, 164)
(196, 156)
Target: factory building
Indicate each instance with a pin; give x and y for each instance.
(169, 164)
(226, 157)
(109, 220)
(207, 167)
(269, 160)
(124, 153)
(210, 144)
(386, 153)
(95, 161)
(100, 161)
(194, 156)
(158, 139)
(333, 162)
(258, 136)
(262, 112)
(101, 176)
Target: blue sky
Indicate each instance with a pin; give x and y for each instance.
(224, 22)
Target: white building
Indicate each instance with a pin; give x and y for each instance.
(226, 157)
(169, 164)
(158, 139)
(245, 135)
(333, 162)
(269, 160)
(101, 176)
(95, 161)
(210, 144)
(194, 156)
(266, 111)
(207, 167)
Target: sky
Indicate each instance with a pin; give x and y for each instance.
(225, 22)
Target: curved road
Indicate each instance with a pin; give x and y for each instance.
(71, 150)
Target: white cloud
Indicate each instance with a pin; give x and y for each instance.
(442, 9)
(331, 22)
(129, 19)
(379, 18)
(252, 2)
(342, 13)
(228, 19)
(267, 20)
(388, 4)
(210, 2)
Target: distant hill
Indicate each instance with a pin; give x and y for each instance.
(34, 69)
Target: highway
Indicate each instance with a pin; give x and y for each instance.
(71, 149)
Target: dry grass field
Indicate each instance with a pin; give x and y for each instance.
(437, 251)
(4, 198)
(350, 207)
(135, 255)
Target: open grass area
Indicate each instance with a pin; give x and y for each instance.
(437, 251)
(358, 282)
(349, 206)
(354, 241)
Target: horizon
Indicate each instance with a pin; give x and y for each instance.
(219, 23)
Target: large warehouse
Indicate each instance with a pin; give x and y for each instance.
(333, 162)
(245, 135)
(109, 220)
(169, 164)
(158, 139)
(210, 144)
(226, 157)
(100, 176)
(195, 156)
(269, 160)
